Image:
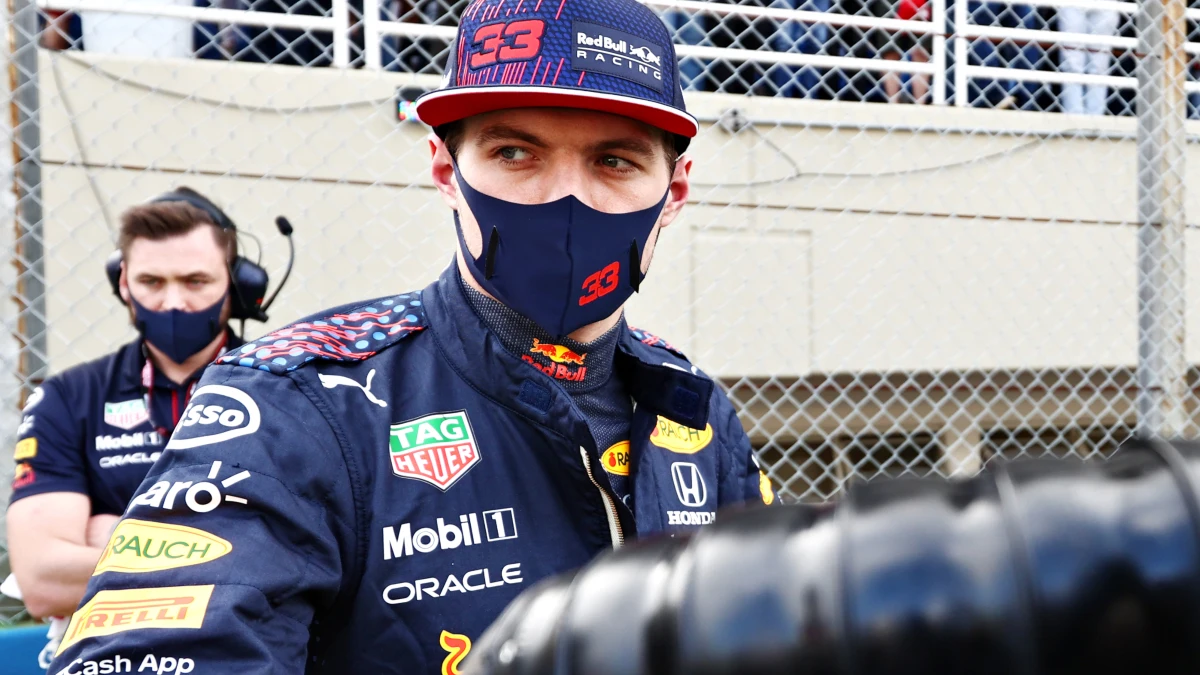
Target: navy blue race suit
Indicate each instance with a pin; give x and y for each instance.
(366, 491)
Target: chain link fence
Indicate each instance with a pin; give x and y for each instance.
(913, 244)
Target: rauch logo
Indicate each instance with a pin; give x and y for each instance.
(144, 546)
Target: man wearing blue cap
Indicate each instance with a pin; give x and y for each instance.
(365, 490)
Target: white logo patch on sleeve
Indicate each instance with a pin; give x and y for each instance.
(217, 413)
(34, 399)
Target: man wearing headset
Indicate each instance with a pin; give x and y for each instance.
(395, 471)
(89, 434)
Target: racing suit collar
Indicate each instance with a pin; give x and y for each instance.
(667, 388)
(531, 343)
(650, 377)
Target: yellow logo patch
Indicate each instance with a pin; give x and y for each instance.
(26, 449)
(142, 546)
(678, 438)
(110, 612)
(458, 646)
(615, 460)
(764, 486)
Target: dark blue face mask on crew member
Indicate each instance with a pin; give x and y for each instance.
(177, 333)
(562, 264)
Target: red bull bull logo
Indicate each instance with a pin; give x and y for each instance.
(557, 353)
(646, 55)
(561, 358)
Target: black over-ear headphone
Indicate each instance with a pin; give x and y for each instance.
(248, 280)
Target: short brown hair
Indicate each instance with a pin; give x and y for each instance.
(162, 220)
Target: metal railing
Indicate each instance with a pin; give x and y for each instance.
(375, 29)
(338, 24)
(961, 31)
(968, 31)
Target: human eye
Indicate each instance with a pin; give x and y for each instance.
(618, 164)
(512, 154)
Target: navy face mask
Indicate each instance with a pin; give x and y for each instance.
(177, 333)
(563, 265)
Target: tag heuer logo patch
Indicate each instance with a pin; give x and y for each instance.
(126, 414)
(437, 449)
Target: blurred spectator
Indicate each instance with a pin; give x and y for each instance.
(1193, 75)
(916, 48)
(877, 42)
(796, 37)
(1006, 54)
(415, 55)
(60, 30)
(689, 29)
(399, 51)
(1091, 99)
(738, 31)
(1193, 70)
(1030, 56)
(255, 44)
(860, 43)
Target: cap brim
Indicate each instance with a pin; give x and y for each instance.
(444, 106)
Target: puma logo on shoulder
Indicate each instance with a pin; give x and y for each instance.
(331, 381)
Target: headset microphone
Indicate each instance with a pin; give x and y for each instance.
(285, 228)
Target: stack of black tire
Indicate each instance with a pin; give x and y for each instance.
(1042, 567)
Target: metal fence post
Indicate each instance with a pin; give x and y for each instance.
(341, 34)
(961, 17)
(939, 52)
(27, 184)
(1161, 110)
(372, 44)
(30, 296)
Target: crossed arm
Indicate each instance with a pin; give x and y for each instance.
(54, 543)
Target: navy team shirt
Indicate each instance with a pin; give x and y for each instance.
(95, 429)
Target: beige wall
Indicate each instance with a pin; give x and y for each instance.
(1016, 253)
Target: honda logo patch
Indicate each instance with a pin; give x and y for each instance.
(689, 484)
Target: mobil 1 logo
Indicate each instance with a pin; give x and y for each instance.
(468, 529)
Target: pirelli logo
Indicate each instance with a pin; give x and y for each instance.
(110, 612)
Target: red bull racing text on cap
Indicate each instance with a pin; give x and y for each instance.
(613, 56)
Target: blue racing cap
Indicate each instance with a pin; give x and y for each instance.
(614, 56)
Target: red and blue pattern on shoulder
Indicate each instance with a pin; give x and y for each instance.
(649, 339)
(352, 335)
